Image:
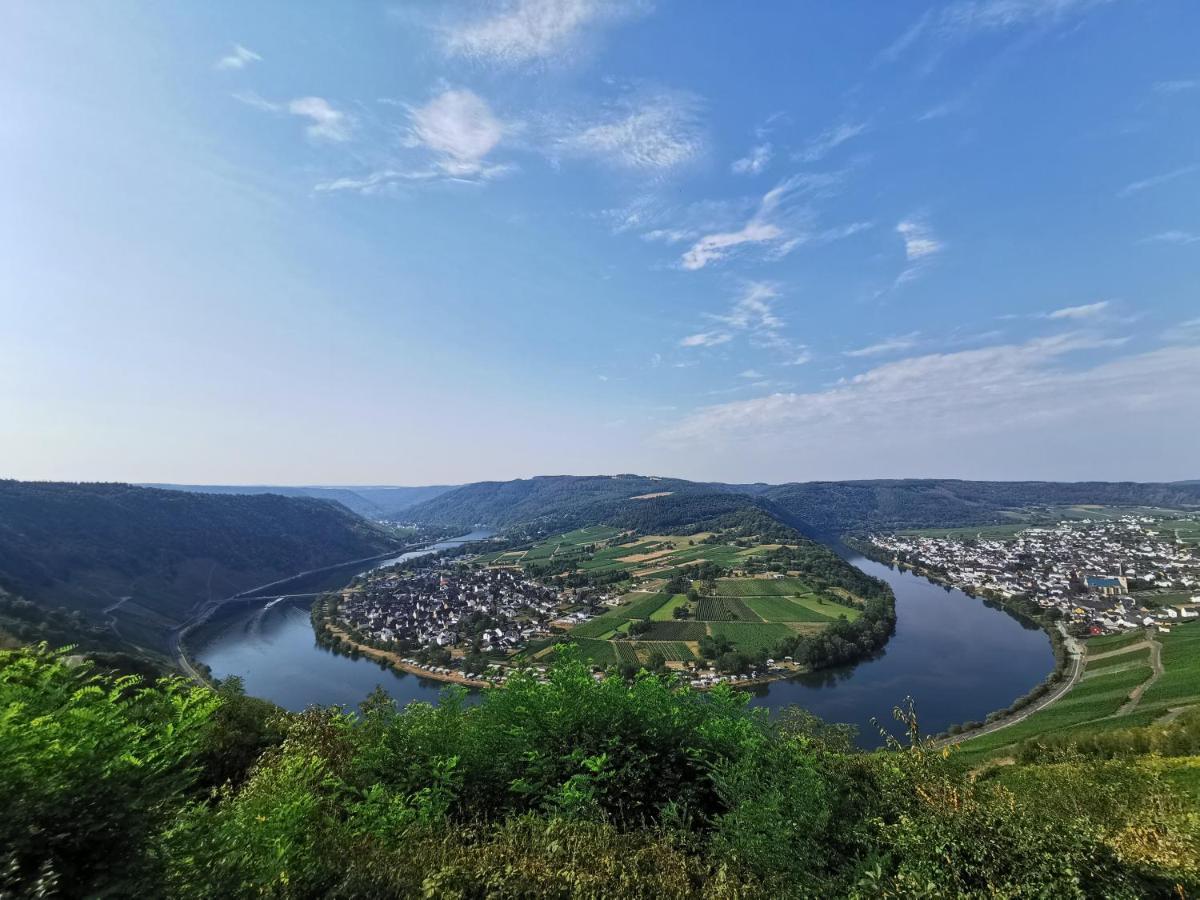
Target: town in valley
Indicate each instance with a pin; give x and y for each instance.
(1097, 575)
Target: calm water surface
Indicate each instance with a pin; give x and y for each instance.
(957, 658)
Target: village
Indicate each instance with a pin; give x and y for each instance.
(1098, 576)
(480, 609)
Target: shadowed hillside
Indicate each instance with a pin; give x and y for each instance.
(371, 502)
(145, 557)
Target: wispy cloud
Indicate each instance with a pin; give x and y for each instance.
(753, 310)
(706, 339)
(969, 18)
(1178, 86)
(238, 58)
(523, 31)
(1135, 187)
(920, 246)
(984, 391)
(1171, 237)
(919, 241)
(652, 132)
(752, 316)
(325, 122)
(751, 373)
(888, 345)
(777, 223)
(827, 141)
(1085, 311)
(753, 162)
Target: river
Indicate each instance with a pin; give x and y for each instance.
(956, 657)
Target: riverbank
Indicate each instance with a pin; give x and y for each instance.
(398, 663)
(1068, 654)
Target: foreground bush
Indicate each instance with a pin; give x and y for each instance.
(575, 788)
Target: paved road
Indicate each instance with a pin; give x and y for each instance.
(1074, 671)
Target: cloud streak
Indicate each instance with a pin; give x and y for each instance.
(1023, 391)
(525, 31)
(1136, 187)
(238, 58)
(1075, 313)
(772, 224)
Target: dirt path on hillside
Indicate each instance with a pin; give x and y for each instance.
(1121, 651)
(1135, 695)
(1174, 713)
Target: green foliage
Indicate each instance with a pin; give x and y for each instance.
(92, 766)
(572, 788)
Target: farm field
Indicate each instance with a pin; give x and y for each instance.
(676, 630)
(771, 609)
(1092, 705)
(784, 609)
(666, 612)
(672, 651)
(752, 637)
(761, 587)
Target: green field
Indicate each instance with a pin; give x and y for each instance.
(599, 626)
(625, 652)
(781, 609)
(676, 630)
(1111, 642)
(642, 606)
(752, 637)
(597, 653)
(761, 587)
(666, 612)
(672, 651)
(724, 609)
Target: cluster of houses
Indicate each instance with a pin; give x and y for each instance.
(1107, 575)
(449, 606)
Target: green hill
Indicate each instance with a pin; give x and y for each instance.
(563, 502)
(147, 556)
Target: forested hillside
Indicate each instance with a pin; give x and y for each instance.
(371, 502)
(564, 502)
(841, 506)
(146, 557)
(819, 507)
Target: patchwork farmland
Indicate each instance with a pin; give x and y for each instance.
(667, 612)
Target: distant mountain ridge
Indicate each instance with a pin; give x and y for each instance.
(148, 556)
(819, 507)
(371, 501)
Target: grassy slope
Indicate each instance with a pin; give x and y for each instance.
(1091, 705)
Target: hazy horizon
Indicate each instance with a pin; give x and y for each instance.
(416, 244)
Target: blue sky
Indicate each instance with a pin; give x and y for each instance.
(422, 242)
